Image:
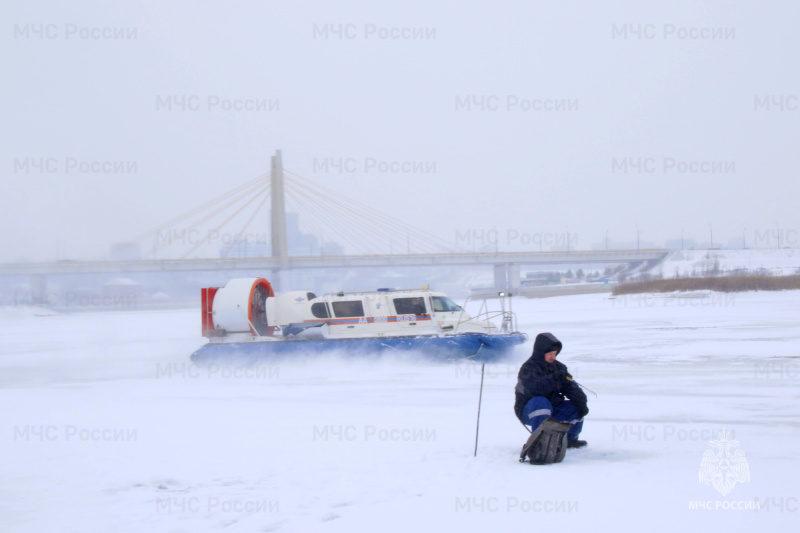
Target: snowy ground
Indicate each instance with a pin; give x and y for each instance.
(106, 427)
(781, 262)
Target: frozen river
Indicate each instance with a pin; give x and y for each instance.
(106, 426)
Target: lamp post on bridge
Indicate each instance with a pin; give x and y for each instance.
(711, 235)
(567, 239)
(637, 237)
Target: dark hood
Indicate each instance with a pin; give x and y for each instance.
(545, 342)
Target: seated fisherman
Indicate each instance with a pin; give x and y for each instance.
(545, 389)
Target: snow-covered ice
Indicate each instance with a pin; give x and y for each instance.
(107, 427)
(778, 262)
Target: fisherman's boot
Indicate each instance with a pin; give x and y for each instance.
(576, 443)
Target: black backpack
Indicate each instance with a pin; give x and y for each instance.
(547, 444)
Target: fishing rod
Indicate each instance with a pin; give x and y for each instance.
(478, 424)
(585, 388)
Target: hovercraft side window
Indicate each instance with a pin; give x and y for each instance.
(320, 310)
(348, 309)
(410, 306)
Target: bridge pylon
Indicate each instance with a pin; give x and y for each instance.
(280, 247)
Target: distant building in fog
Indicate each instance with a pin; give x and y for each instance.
(125, 251)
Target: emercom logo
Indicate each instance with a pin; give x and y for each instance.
(723, 466)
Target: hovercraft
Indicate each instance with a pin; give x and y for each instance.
(246, 323)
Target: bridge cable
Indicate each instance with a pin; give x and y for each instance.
(309, 220)
(246, 225)
(387, 221)
(240, 197)
(224, 222)
(386, 218)
(332, 220)
(199, 208)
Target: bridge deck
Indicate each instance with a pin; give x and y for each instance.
(334, 261)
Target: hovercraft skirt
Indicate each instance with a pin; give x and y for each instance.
(477, 346)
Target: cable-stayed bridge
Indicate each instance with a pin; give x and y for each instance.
(232, 228)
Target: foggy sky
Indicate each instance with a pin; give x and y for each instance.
(706, 85)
